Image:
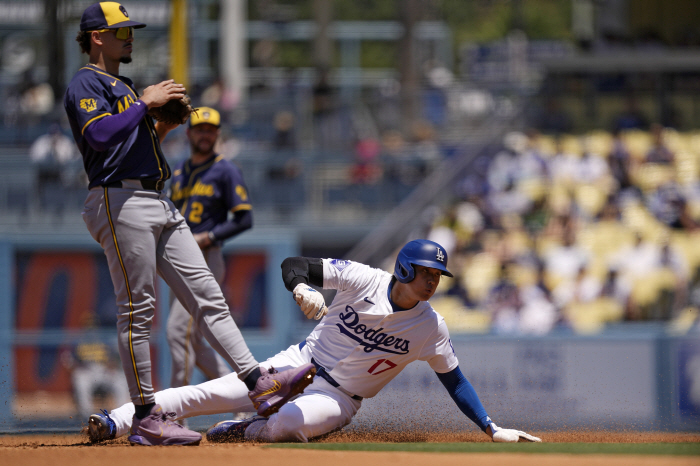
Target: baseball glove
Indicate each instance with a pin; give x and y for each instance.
(175, 111)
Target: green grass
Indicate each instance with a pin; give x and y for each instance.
(686, 449)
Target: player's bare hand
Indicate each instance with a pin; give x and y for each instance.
(501, 435)
(202, 239)
(158, 94)
(310, 301)
(167, 127)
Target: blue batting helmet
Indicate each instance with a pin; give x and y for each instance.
(420, 252)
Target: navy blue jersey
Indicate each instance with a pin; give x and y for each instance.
(94, 94)
(206, 193)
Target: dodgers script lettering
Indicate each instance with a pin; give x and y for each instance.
(372, 339)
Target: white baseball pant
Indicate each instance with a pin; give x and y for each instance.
(322, 408)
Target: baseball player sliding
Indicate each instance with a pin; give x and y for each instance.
(141, 231)
(205, 188)
(377, 324)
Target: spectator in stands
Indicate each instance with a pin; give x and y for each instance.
(508, 201)
(659, 152)
(631, 117)
(285, 137)
(506, 172)
(668, 204)
(426, 150)
(620, 161)
(503, 171)
(469, 219)
(538, 314)
(616, 289)
(531, 161)
(366, 170)
(591, 168)
(640, 266)
(584, 288)
(503, 302)
(563, 263)
(55, 159)
(563, 165)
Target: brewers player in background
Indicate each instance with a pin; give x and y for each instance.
(210, 193)
(142, 233)
(377, 324)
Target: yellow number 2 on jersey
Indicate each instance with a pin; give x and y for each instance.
(196, 209)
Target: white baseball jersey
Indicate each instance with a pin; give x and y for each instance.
(362, 342)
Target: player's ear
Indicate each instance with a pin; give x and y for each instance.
(96, 37)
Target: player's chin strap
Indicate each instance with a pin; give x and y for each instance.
(321, 372)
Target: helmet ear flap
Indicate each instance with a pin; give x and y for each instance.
(404, 275)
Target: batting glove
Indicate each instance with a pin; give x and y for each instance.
(511, 435)
(310, 301)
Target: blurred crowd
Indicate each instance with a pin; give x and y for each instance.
(575, 232)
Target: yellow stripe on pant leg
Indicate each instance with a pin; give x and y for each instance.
(188, 336)
(131, 303)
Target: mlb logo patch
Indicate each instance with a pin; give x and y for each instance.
(340, 264)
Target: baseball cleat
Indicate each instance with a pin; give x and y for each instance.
(230, 431)
(273, 389)
(158, 429)
(101, 427)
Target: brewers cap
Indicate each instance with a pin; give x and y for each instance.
(106, 15)
(205, 115)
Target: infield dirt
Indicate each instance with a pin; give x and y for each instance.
(74, 450)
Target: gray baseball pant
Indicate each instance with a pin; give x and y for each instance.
(188, 347)
(143, 235)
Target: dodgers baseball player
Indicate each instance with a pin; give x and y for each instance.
(205, 188)
(141, 231)
(377, 324)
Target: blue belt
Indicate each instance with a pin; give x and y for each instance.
(321, 372)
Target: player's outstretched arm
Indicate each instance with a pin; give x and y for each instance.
(464, 395)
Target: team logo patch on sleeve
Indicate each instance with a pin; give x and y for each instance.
(340, 264)
(89, 105)
(242, 193)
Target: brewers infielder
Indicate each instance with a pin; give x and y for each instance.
(142, 233)
(376, 325)
(205, 188)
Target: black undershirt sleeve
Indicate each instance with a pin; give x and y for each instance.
(297, 270)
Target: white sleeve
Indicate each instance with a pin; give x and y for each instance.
(343, 275)
(438, 350)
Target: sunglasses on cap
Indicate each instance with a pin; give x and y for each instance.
(121, 33)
